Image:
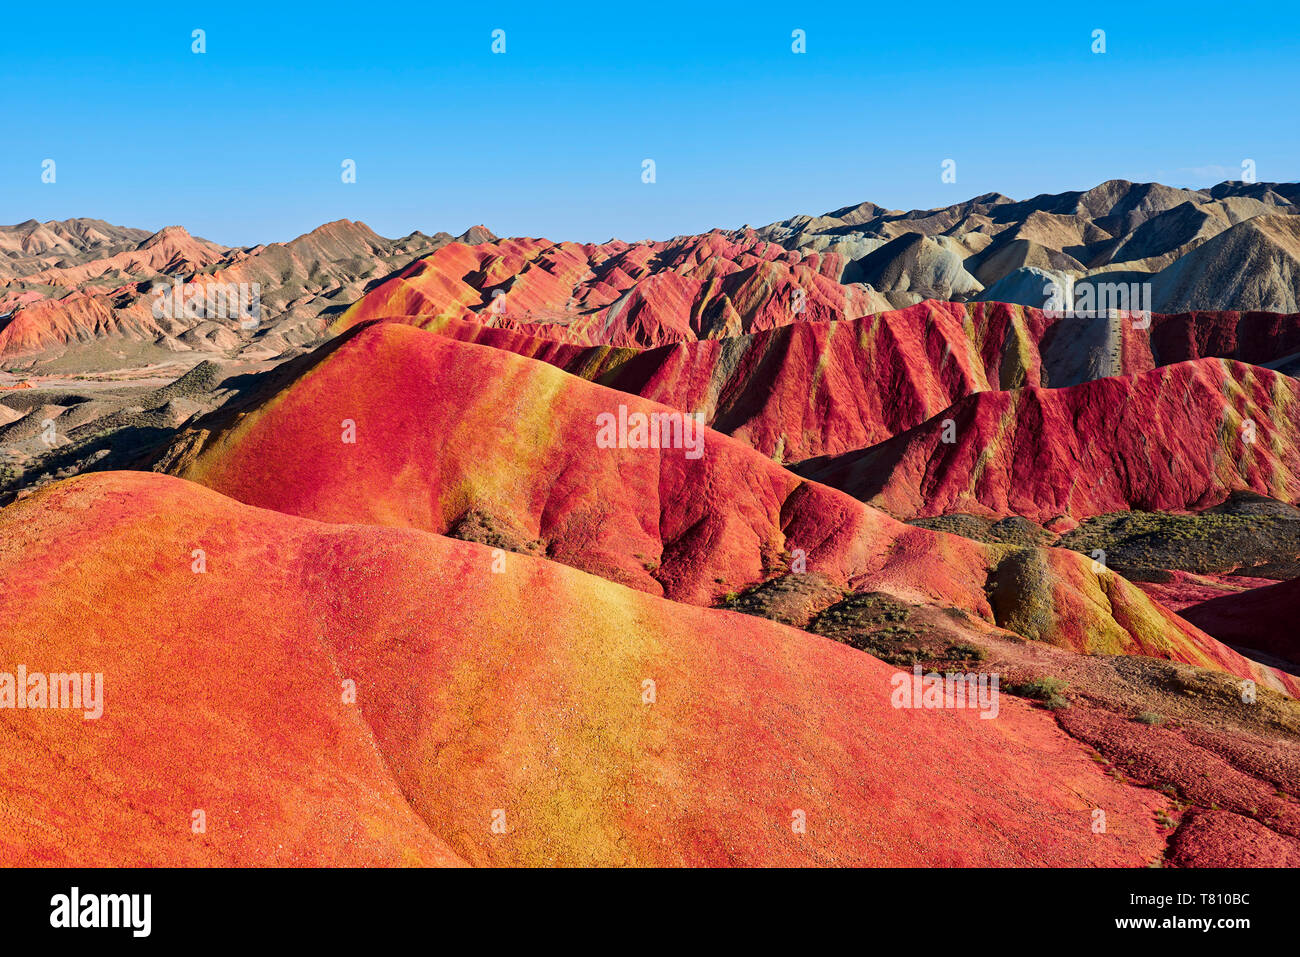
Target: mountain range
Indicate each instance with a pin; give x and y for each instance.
(1234, 247)
(367, 583)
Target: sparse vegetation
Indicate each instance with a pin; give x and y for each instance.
(1140, 545)
(791, 598)
(1040, 688)
(1008, 531)
(1048, 690)
(890, 630)
(1253, 534)
(476, 525)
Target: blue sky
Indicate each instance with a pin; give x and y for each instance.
(243, 143)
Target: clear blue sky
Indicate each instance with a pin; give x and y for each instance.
(243, 143)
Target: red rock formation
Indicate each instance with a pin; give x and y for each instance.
(397, 426)
(1178, 438)
(647, 294)
(517, 697)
